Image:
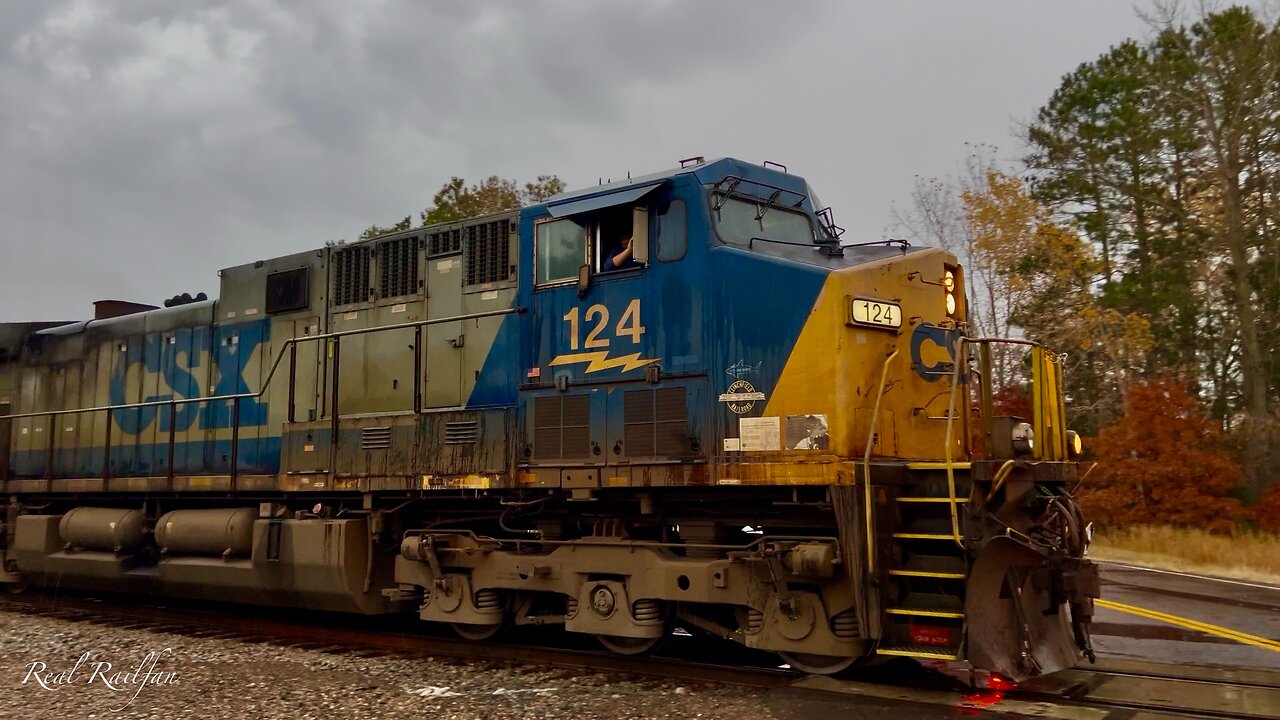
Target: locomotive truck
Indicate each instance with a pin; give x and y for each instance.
(749, 428)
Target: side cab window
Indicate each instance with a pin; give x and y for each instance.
(560, 248)
(669, 231)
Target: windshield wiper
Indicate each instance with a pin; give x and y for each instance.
(761, 210)
(830, 248)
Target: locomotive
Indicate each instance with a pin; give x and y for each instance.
(675, 399)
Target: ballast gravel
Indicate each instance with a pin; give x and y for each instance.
(67, 670)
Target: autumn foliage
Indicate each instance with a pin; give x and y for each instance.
(1267, 511)
(1163, 463)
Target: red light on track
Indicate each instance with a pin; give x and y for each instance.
(998, 682)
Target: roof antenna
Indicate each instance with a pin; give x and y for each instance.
(628, 174)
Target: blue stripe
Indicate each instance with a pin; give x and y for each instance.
(257, 455)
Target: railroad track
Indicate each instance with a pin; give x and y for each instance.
(1119, 690)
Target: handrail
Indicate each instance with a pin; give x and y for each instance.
(274, 366)
(290, 345)
(866, 465)
(1040, 352)
(947, 461)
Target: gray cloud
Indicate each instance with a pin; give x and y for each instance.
(143, 145)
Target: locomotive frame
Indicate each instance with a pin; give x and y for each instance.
(755, 432)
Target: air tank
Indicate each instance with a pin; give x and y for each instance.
(106, 529)
(223, 531)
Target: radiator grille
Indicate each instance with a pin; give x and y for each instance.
(655, 423)
(398, 267)
(562, 427)
(461, 432)
(375, 438)
(488, 252)
(444, 242)
(350, 268)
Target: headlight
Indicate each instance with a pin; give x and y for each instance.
(1075, 444)
(1024, 439)
(949, 286)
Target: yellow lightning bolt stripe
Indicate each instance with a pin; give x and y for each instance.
(597, 361)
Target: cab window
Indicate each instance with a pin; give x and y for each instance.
(614, 234)
(738, 220)
(669, 231)
(560, 249)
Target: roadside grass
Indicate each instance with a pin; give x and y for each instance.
(1243, 555)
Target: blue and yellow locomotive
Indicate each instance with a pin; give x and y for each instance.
(675, 399)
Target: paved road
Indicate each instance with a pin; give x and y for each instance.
(1229, 605)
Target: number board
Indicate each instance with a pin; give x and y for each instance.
(875, 313)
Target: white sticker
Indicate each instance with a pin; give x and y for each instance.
(728, 481)
(39, 429)
(445, 266)
(351, 315)
(762, 433)
(399, 308)
(251, 311)
(26, 430)
(231, 313)
(732, 444)
(308, 448)
(71, 428)
(807, 432)
(491, 295)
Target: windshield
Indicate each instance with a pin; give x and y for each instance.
(738, 220)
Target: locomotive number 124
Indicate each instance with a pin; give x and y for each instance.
(597, 316)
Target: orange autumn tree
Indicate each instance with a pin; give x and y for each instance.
(1162, 463)
(1267, 511)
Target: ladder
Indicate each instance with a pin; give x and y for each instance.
(924, 615)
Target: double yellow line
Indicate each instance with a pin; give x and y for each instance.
(1228, 633)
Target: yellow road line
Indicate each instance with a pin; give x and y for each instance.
(1228, 633)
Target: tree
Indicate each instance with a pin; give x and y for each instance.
(1164, 462)
(1044, 276)
(1166, 154)
(1267, 511)
(456, 201)
(1233, 97)
(374, 231)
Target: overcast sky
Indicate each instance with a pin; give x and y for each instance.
(144, 145)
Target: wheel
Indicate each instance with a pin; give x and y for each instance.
(17, 588)
(630, 645)
(819, 664)
(470, 631)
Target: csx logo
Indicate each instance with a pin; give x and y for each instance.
(177, 361)
(933, 351)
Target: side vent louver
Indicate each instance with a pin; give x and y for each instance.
(656, 423)
(350, 272)
(461, 432)
(488, 252)
(445, 242)
(562, 427)
(398, 267)
(375, 438)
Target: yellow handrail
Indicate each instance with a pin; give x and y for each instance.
(866, 465)
(947, 461)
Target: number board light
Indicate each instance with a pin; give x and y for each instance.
(875, 313)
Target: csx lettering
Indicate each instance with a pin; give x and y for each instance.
(597, 319)
(230, 348)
